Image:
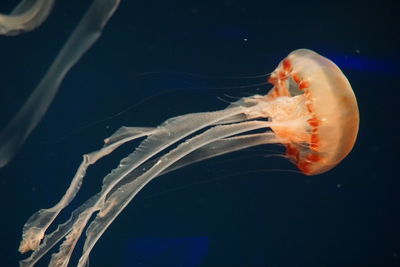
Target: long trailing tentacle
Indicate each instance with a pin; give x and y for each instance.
(168, 133)
(35, 227)
(50, 240)
(212, 149)
(158, 139)
(118, 200)
(27, 118)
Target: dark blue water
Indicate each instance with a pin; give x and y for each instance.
(237, 210)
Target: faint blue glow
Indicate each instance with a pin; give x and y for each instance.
(166, 251)
(358, 62)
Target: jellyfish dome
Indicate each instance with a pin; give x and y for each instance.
(328, 98)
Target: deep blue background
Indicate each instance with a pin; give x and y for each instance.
(236, 210)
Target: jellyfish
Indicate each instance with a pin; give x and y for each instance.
(26, 16)
(311, 110)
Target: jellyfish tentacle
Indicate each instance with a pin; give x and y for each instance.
(127, 132)
(173, 129)
(82, 38)
(35, 227)
(119, 199)
(224, 146)
(216, 148)
(168, 133)
(50, 240)
(213, 149)
(26, 16)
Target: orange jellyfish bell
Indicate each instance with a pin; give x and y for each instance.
(329, 103)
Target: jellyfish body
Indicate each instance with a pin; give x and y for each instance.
(329, 101)
(311, 109)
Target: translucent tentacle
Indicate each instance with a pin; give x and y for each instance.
(53, 238)
(26, 16)
(216, 148)
(224, 146)
(213, 149)
(167, 134)
(82, 38)
(35, 227)
(158, 139)
(163, 136)
(121, 197)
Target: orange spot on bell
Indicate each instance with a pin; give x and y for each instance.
(314, 139)
(287, 65)
(314, 147)
(314, 122)
(303, 85)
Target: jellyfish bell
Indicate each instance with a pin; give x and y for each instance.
(311, 109)
(327, 101)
